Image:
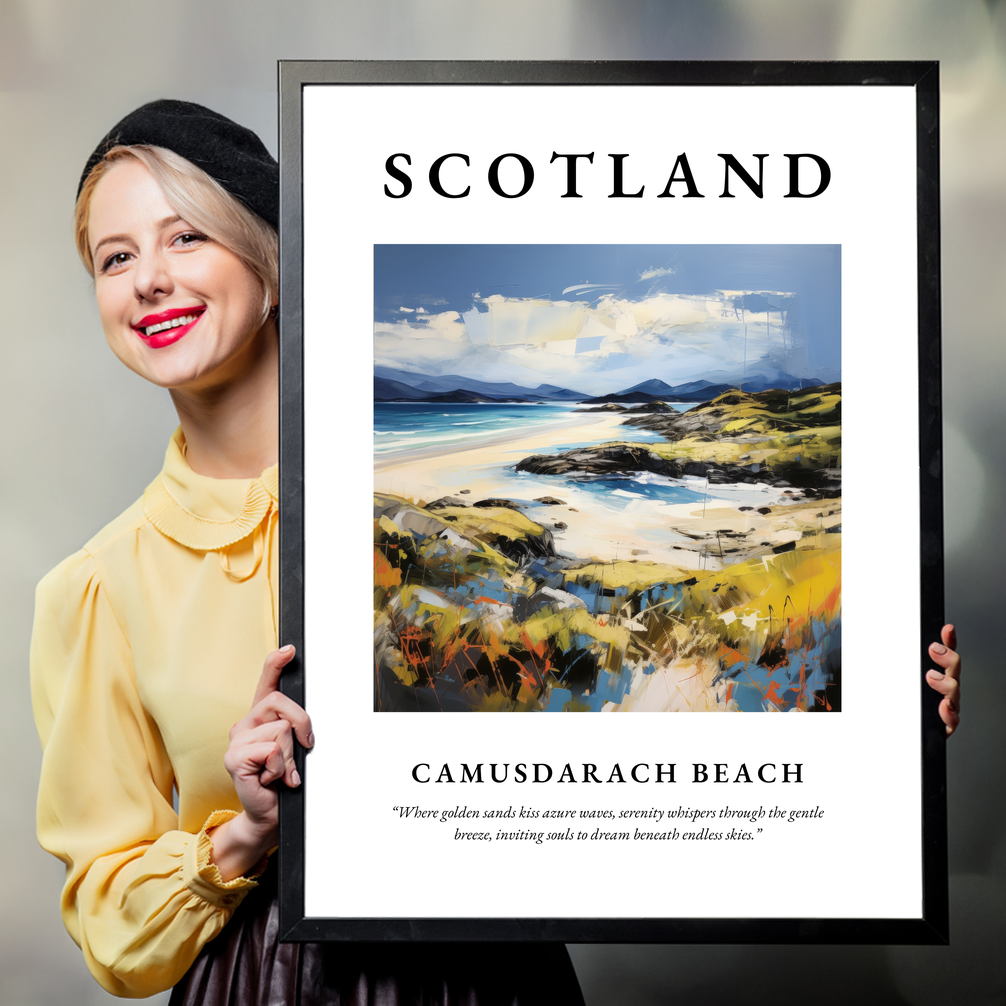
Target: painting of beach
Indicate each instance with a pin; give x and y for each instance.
(607, 478)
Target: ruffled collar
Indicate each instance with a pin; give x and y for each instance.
(203, 513)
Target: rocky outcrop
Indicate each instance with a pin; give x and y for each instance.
(650, 408)
(623, 459)
(607, 459)
(494, 502)
(445, 501)
(610, 407)
(761, 413)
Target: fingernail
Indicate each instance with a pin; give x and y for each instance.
(295, 777)
(287, 649)
(936, 675)
(310, 740)
(938, 648)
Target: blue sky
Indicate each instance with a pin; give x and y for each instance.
(600, 318)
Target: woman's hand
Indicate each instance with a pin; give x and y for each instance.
(948, 681)
(260, 753)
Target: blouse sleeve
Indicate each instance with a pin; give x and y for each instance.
(141, 898)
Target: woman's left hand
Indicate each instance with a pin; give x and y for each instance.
(948, 681)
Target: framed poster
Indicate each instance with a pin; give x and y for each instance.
(650, 353)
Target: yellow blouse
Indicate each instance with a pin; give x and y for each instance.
(147, 647)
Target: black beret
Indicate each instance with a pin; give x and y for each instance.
(230, 154)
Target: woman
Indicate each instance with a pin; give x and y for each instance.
(148, 643)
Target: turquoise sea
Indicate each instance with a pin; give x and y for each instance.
(400, 428)
(411, 426)
(456, 426)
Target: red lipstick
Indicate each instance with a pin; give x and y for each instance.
(166, 327)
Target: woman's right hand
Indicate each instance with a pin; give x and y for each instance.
(259, 754)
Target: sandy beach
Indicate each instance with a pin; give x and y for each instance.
(622, 524)
(500, 450)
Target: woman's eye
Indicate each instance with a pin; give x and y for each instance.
(190, 238)
(114, 261)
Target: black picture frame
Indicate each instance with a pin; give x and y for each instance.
(931, 927)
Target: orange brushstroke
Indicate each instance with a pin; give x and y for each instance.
(385, 575)
(772, 695)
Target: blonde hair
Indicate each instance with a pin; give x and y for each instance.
(199, 200)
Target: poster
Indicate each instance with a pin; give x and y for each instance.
(639, 347)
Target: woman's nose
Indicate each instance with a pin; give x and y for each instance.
(152, 277)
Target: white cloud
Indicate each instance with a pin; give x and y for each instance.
(598, 348)
(423, 346)
(581, 287)
(655, 273)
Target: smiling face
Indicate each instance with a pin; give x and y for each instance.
(177, 307)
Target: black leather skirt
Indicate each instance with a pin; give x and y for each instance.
(246, 965)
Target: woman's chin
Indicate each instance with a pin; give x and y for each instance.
(173, 374)
(197, 365)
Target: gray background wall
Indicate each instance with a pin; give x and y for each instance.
(82, 436)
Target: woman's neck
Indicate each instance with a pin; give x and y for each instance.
(231, 426)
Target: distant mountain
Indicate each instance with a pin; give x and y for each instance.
(650, 391)
(703, 391)
(561, 394)
(471, 396)
(426, 387)
(684, 389)
(395, 391)
(392, 385)
(653, 388)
